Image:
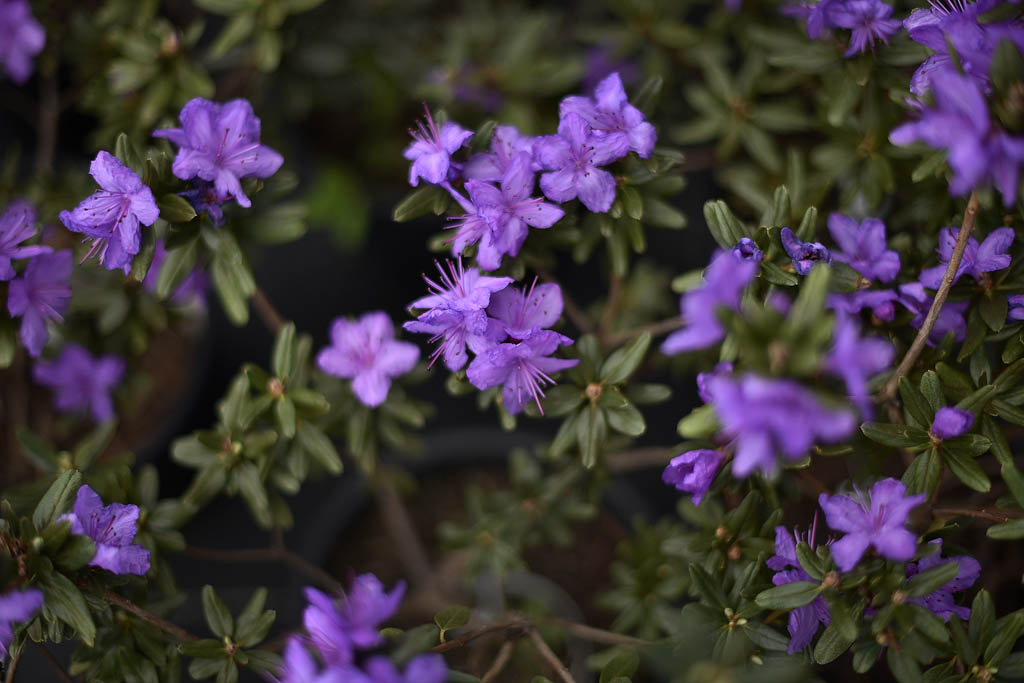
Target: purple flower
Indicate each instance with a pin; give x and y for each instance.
(724, 281)
(301, 667)
(503, 215)
(17, 224)
(733, 5)
(16, 606)
(192, 289)
(863, 247)
(978, 259)
(506, 144)
(366, 352)
(880, 301)
(940, 601)
(978, 151)
(523, 312)
(431, 150)
(113, 528)
(112, 216)
(950, 423)
(870, 20)
(693, 472)
(704, 377)
(857, 360)
(573, 156)
(600, 61)
(612, 118)
(521, 367)
(747, 250)
(82, 382)
(879, 524)
(803, 254)
(425, 668)
(220, 143)
(951, 315)
(816, 14)
(458, 313)
(39, 295)
(770, 417)
(803, 621)
(21, 39)
(339, 627)
(1016, 303)
(205, 198)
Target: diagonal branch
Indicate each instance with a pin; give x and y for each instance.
(167, 627)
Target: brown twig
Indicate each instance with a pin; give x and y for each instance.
(397, 521)
(14, 662)
(639, 458)
(550, 657)
(46, 137)
(594, 635)
(167, 627)
(272, 554)
(966, 228)
(655, 329)
(479, 632)
(999, 515)
(268, 314)
(572, 309)
(54, 664)
(504, 655)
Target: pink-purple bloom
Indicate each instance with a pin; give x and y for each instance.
(40, 295)
(367, 352)
(300, 666)
(950, 423)
(1016, 307)
(803, 621)
(940, 601)
(880, 301)
(863, 247)
(693, 472)
(770, 418)
(502, 215)
(574, 157)
(111, 217)
(977, 259)
(857, 360)
(432, 149)
(747, 250)
(805, 255)
(16, 605)
(521, 312)
(878, 522)
(17, 224)
(951, 315)
(724, 281)
(425, 668)
(338, 627)
(81, 382)
(21, 39)
(506, 144)
(457, 315)
(869, 21)
(113, 528)
(220, 143)
(979, 151)
(612, 118)
(205, 198)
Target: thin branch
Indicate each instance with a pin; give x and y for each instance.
(54, 664)
(49, 112)
(572, 309)
(550, 657)
(639, 458)
(268, 314)
(167, 627)
(272, 554)
(14, 662)
(966, 228)
(504, 655)
(407, 543)
(594, 635)
(514, 628)
(998, 515)
(655, 329)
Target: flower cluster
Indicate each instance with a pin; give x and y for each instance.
(341, 631)
(869, 21)
(803, 621)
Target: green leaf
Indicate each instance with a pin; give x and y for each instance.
(809, 306)
(418, 203)
(218, 618)
(725, 228)
(765, 636)
(1007, 531)
(37, 449)
(284, 357)
(788, 596)
(915, 404)
(284, 411)
(176, 267)
(126, 151)
(206, 648)
(661, 214)
(922, 476)
(561, 400)
(932, 579)
(1005, 634)
(993, 307)
(175, 209)
(319, 447)
(902, 666)
(963, 466)
(805, 231)
(632, 202)
(931, 389)
(591, 430)
(831, 644)
(78, 551)
(845, 620)
(701, 423)
(624, 361)
(57, 499)
(623, 665)
(777, 276)
(250, 485)
(895, 435)
(451, 617)
(65, 602)
(93, 444)
(626, 419)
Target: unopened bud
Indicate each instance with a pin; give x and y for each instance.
(899, 597)
(831, 580)
(275, 387)
(882, 639)
(735, 552)
(169, 45)
(721, 532)
(593, 391)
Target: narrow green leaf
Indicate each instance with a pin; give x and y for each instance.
(623, 665)
(284, 358)
(175, 209)
(788, 596)
(319, 447)
(626, 419)
(831, 644)
(64, 601)
(57, 499)
(895, 435)
(624, 361)
(418, 203)
(78, 551)
(922, 476)
(902, 666)
(176, 267)
(218, 618)
(966, 469)
(916, 406)
(932, 579)
(1007, 531)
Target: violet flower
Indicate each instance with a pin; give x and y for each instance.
(573, 156)
(856, 360)
(803, 621)
(724, 281)
(978, 150)
(220, 143)
(21, 39)
(869, 21)
(950, 423)
(940, 602)
(502, 216)
(977, 259)
(612, 118)
(81, 382)
(878, 523)
(863, 247)
(301, 667)
(192, 289)
(805, 255)
(747, 250)
(41, 294)
(521, 312)
(16, 605)
(17, 224)
(205, 198)
(951, 315)
(431, 150)
(521, 367)
(693, 472)
(506, 144)
(338, 627)
(113, 528)
(880, 301)
(425, 668)
(1016, 309)
(112, 216)
(704, 377)
(769, 417)
(367, 352)
(458, 313)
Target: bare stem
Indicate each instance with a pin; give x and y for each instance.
(550, 657)
(54, 664)
(594, 635)
(46, 138)
(966, 228)
(655, 329)
(272, 554)
(14, 662)
(997, 515)
(411, 553)
(639, 458)
(504, 655)
(268, 314)
(514, 627)
(167, 627)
